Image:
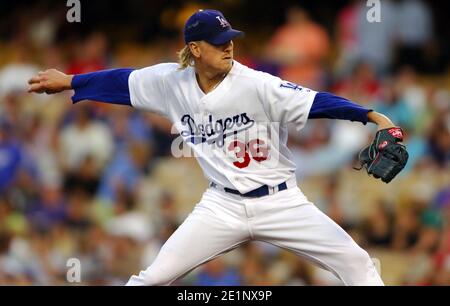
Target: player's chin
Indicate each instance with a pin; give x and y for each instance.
(226, 63)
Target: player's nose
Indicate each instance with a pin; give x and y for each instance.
(226, 47)
(229, 46)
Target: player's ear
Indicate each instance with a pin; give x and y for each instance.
(195, 49)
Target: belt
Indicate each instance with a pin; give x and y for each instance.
(256, 193)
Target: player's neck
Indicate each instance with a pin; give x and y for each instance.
(209, 80)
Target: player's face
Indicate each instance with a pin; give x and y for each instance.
(217, 57)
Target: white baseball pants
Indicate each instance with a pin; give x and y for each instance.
(222, 221)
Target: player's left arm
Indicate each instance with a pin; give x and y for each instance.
(327, 105)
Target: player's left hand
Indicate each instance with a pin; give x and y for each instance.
(386, 156)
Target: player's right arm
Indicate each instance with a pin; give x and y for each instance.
(142, 88)
(109, 86)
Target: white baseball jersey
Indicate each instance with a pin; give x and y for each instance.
(238, 131)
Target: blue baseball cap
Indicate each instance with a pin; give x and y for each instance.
(210, 26)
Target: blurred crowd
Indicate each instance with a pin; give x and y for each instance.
(97, 182)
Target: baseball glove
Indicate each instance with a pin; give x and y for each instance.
(385, 157)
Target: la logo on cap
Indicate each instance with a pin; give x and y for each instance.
(223, 22)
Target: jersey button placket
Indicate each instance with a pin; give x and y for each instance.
(204, 108)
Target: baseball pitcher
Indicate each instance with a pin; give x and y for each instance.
(234, 119)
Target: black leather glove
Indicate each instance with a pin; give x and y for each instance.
(385, 157)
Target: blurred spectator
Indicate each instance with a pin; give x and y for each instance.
(347, 37)
(85, 178)
(378, 227)
(216, 273)
(376, 39)
(162, 134)
(302, 274)
(406, 229)
(90, 55)
(128, 126)
(361, 41)
(84, 138)
(300, 46)
(362, 86)
(441, 259)
(38, 138)
(439, 139)
(12, 219)
(10, 157)
(15, 162)
(393, 106)
(413, 32)
(78, 216)
(43, 28)
(93, 253)
(125, 170)
(124, 259)
(167, 211)
(254, 269)
(15, 75)
(12, 271)
(414, 94)
(417, 148)
(129, 222)
(49, 210)
(429, 234)
(331, 204)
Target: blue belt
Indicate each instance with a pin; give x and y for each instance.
(259, 192)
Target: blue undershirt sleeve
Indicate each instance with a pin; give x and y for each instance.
(110, 86)
(326, 105)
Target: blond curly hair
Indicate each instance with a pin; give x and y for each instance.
(185, 58)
